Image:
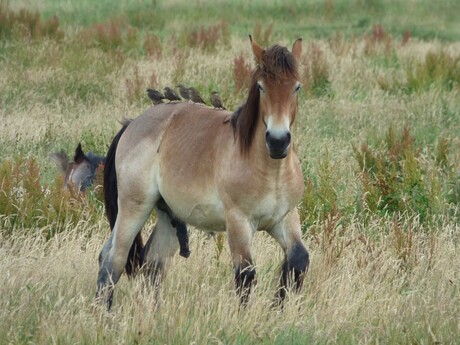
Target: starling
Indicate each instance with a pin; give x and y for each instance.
(171, 94)
(195, 96)
(184, 92)
(216, 101)
(155, 96)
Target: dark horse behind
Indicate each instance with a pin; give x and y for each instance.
(79, 173)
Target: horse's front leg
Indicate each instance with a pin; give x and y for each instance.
(288, 234)
(240, 234)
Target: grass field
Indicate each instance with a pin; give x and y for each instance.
(377, 131)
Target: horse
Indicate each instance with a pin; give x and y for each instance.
(212, 169)
(79, 174)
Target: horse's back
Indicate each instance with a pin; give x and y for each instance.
(172, 149)
(184, 118)
(196, 140)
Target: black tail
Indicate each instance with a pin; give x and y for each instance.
(135, 259)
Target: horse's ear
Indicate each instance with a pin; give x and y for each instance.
(297, 49)
(79, 155)
(257, 50)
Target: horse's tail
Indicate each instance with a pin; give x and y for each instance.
(135, 256)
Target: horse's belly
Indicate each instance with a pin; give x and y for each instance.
(207, 217)
(202, 213)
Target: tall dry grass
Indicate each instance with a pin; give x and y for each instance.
(388, 289)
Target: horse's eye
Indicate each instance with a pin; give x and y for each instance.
(298, 87)
(261, 89)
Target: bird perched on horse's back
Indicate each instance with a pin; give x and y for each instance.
(216, 101)
(156, 96)
(184, 91)
(195, 96)
(171, 94)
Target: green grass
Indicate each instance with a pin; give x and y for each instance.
(315, 19)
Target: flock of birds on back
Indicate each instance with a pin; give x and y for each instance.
(186, 93)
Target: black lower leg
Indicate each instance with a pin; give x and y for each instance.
(104, 292)
(244, 279)
(135, 257)
(104, 295)
(294, 267)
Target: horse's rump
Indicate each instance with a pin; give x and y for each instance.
(135, 256)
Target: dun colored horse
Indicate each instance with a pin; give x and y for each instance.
(214, 170)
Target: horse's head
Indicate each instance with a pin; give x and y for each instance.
(276, 83)
(80, 173)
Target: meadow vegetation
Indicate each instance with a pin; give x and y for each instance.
(377, 132)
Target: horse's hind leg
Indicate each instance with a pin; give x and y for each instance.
(160, 247)
(131, 217)
(288, 235)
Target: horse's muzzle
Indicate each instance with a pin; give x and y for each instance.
(278, 147)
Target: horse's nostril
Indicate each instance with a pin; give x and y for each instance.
(278, 145)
